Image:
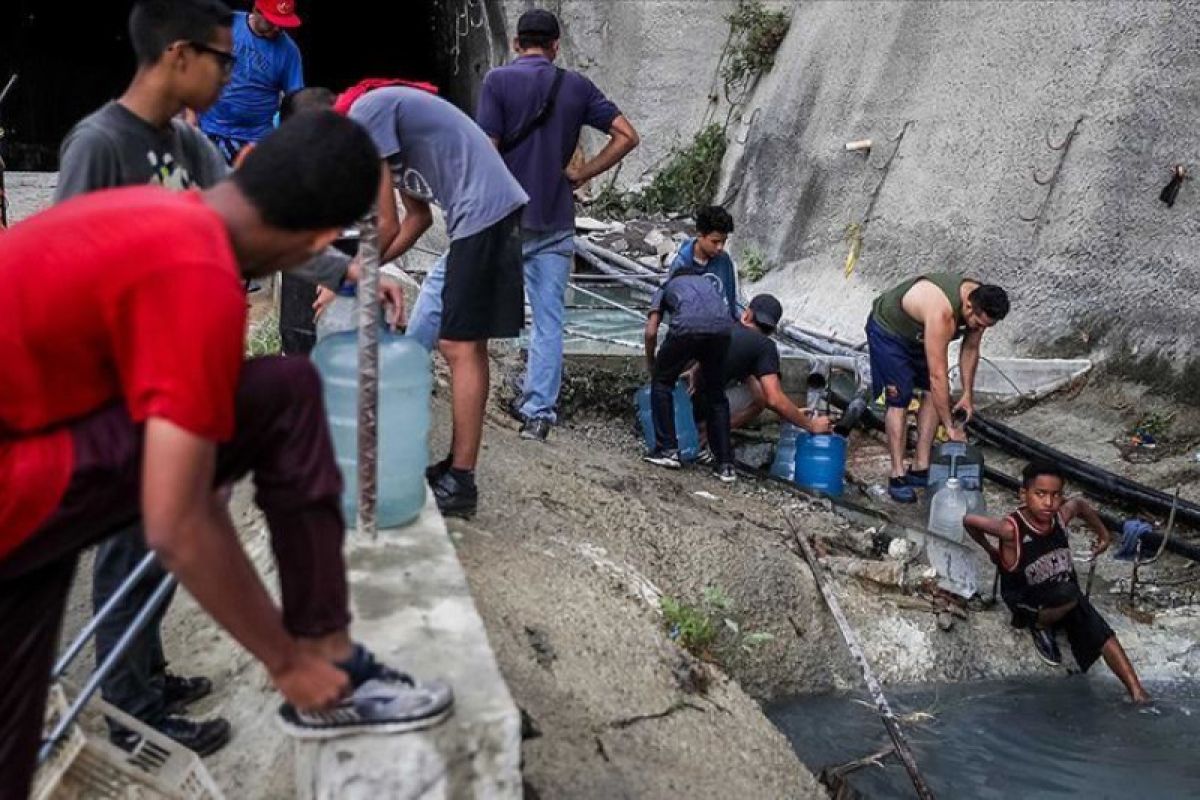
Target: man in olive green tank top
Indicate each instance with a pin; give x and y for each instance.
(909, 330)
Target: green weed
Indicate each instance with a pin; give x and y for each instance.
(755, 35)
(711, 631)
(262, 339)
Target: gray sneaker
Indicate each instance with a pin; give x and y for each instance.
(725, 473)
(705, 457)
(536, 429)
(664, 458)
(381, 705)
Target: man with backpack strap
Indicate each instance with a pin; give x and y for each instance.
(534, 112)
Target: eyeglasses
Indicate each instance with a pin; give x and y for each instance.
(224, 58)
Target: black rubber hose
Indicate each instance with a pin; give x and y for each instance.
(1144, 500)
(1101, 483)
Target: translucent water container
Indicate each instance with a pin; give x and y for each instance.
(341, 314)
(821, 462)
(947, 510)
(405, 384)
(956, 460)
(685, 423)
(784, 465)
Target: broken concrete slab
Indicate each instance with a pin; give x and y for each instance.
(412, 605)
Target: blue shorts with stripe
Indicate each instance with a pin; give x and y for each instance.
(898, 366)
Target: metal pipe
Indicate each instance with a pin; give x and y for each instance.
(368, 375)
(615, 258)
(603, 299)
(116, 597)
(882, 707)
(116, 654)
(608, 269)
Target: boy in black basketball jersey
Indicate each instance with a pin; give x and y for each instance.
(1037, 578)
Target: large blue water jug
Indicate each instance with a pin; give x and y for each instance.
(821, 462)
(405, 384)
(685, 424)
(784, 465)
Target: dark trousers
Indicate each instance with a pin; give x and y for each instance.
(135, 684)
(281, 438)
(674, 356)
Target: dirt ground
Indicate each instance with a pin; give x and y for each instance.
(575, 543)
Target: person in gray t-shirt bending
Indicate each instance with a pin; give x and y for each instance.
(184, 53)
(434, 153)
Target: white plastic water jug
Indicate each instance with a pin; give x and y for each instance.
(405, 384)
(947, 510)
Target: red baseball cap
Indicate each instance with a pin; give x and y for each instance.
(278, 12)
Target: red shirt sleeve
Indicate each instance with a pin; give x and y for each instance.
(178, 339)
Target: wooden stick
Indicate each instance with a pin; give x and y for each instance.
(881, 704)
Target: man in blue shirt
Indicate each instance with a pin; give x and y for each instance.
(268, 66)
(706, 252)
(534, 112)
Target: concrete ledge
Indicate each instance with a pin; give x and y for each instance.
(412, 606)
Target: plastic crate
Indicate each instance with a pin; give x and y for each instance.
(88, 767)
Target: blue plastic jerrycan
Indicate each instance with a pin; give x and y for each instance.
(685, 423)
(405, 385)
(821, 462)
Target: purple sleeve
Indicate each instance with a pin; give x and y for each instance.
(599, 111)
(490, 115)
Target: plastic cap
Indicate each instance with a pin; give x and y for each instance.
(952, 483)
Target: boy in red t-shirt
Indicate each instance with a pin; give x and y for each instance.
(124, 396)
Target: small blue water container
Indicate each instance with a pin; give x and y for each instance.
(784, 465)
(821, 462)
(405, 385)
(685, 423)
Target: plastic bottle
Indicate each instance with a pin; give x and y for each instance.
(821, 462)
(947, 510)
(405, 384)
(340, 315)
(685, 423)
(784, 465)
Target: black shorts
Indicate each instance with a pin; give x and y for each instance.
(1086, 630)
(484, 293)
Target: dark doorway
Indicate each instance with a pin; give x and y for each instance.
(72, 58)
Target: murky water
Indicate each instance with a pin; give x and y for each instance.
(1045, 738)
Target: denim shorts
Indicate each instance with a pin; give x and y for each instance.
(898, 366)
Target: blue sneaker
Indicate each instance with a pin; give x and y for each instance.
(918, 478)
(900, 491)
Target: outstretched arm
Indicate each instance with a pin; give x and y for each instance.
(779, 402)
(980, 527)
(1078, 507)
(191, 532)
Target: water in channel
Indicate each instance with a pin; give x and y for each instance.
(1016, 738)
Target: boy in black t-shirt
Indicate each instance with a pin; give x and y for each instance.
(1037, 578)
(753, 361)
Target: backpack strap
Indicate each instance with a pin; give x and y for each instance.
(538, 119)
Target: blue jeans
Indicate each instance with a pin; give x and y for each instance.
(547, 259)
(425, 321)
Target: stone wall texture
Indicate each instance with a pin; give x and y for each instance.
(987, 90)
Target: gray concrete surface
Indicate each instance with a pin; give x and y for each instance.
(1105, 271)
(412, 605)
(656, 59)
(987, 87)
